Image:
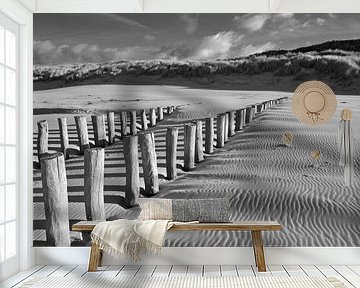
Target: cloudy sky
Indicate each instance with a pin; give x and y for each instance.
(66, 38)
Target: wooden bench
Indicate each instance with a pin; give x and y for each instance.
(256, 227)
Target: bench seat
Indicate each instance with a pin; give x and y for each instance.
(256, 227)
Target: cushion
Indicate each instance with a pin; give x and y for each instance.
(216, 210)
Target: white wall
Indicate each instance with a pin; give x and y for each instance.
(23, 16)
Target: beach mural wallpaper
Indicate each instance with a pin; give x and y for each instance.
(210, 100)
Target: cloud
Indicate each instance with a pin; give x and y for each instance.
(126, 20)
(178, 51)
(46, 52)
(191, 22)
(218, 45)
(251, 22)
(149, 37)
(252, 49)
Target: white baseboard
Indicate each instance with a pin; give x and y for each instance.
(210, 256)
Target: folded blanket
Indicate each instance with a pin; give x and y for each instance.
(130, 237)
(212, 210)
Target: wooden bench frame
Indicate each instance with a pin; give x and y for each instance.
(256, 227)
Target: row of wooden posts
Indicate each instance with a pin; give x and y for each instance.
(54, 173)
(99, 128)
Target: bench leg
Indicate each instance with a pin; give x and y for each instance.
(258, 250)
(95, 258)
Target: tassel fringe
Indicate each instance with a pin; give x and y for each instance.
(134, 247)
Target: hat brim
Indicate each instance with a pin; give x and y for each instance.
(314, 117)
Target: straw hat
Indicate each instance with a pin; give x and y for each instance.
(314, 103)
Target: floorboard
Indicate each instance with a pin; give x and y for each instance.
(129, 271)
(348, 274)
(112, 271)
(328, 271)
(245, 271)
(98, 273)
(229, 270)
(294, 271)
(146, 271)
(195, 271)
(62, 271)
(355, 268)
(20, 277)
(46, 271)
(212, 270)
(311, 271)
(162, 271)
(278, 271)
(178, 270)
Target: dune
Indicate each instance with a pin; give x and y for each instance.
(264, 179)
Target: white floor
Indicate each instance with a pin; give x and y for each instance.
(350, 275)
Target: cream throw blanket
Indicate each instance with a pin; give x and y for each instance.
(131, 237)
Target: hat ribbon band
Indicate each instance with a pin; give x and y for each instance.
(314, 116)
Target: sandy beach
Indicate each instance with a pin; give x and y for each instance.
(264, 179)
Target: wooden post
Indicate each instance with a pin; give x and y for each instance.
(160, 113)
(262, 106)
(131, 156)
(242, 117)
(150, 170)
(252, 113)
(143, 120)
(199, 154)
(55, 199)
(209, 135)
(43, 138)
(238, 120)
(133, 129)
(94, 184)
(247, 115)
(189, 146)
(64, 137)
(220, 131)
(82, 131)
(98, 123)
(258, 108)
(226, 132)
(171, 147)
(111, 127)
(152, 117)
(123, 124)
(231, 115)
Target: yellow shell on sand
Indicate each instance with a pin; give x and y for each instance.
(288, 138)
(346, 114)
(315, 155)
